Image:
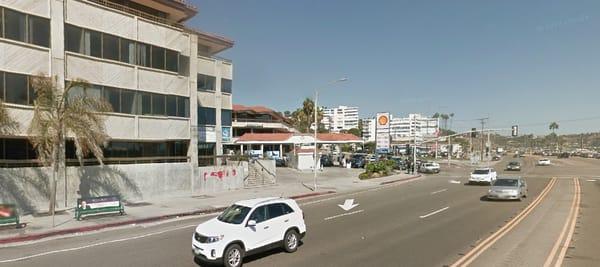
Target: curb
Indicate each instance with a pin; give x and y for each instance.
(33, 237)
(397, 181)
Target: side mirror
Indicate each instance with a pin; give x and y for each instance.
(251, 223)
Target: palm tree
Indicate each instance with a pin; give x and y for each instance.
(304, 116)
(7, 124)
(59, 115)
(445, 118)
(451, 119)
(553, 127)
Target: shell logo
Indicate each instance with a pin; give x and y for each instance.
(383, 120)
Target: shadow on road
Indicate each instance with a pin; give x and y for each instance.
(250, 258)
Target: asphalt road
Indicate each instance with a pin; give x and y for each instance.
(429, 222)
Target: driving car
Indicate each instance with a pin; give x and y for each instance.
(429, 167)
(248, 227)
(508, 188)
(513, 166)
(544, 162)
(483, 175)
(496, 158)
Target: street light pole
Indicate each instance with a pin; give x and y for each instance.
(316, 111)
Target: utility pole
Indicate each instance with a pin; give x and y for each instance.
(482, 120)
(415, 147)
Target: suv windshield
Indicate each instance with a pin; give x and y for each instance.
(235, 214)
(513, 163)
(481, 171)
(506, 182)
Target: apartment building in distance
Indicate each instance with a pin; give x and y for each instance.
(341, 118)
(170, 93)
(404, 129)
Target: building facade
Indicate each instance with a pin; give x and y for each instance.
(171, 96)
(341, 118)
(404, 129)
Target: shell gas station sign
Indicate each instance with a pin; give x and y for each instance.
(382, 132)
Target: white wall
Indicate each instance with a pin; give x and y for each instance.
(36, 7)
(101, 72)
(24, 58)
(28, 187)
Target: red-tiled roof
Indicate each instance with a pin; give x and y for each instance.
(257, 109)
(337, 137)
(257, 137)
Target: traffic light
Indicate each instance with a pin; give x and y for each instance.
(515, 130)
(474, 132)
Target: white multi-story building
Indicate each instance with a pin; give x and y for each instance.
(404, 128)
(171, 96)
(340, 118)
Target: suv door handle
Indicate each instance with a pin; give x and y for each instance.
(287, 220)
(266, 227)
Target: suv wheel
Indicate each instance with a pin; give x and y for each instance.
(233, 256)
(290, 241)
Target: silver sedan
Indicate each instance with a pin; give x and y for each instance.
(508, 189)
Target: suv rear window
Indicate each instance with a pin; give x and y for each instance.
(481, 171)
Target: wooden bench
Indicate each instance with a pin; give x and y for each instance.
(9, 215)
(98, 205)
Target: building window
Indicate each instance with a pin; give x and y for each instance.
(14, 25)
(110, 47)
(171, 105)
(158, 57)
(158, 105)
(226, 86)
(102, 45)
(207, 116)
(127, 51)
(92, 43)
(16, 149)
(183, 107)
(16, 88)
(113, 96)
(39, 31)
(146, 103)
(73, 38)
(143, 55)
(206, 153)
(206, 82)
(128, 102)
(226, 117)
(172, 63)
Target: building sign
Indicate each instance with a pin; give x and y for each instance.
(382, 133)
(207, 134)
(226, 134)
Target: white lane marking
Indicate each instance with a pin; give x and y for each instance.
(591, 180)
(94, 245)
(439, 191)
(454, 182)
(343, 214)
(433, 213)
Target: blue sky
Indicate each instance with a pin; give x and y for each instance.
(517, 62)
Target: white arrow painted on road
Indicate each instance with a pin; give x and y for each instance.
(454, 182)
(348, 205)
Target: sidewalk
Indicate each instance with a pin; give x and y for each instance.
(290, 183)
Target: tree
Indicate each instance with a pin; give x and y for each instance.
(553, 126)
(287, 113)
(60, 114)
(7, 124)
(355, 131)
(303, 117)
(445, 118)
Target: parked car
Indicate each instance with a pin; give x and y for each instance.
(563, 155)
(482, 175)
(544, 162)
(513, 166)
(508, 189)
(496, 158)
(248, 227)
(429, 167)
(280, 162)
(358, 161)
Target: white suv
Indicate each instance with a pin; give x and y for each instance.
(248, 227)
(483, 175)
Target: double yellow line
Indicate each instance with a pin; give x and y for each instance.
(485, 244)
(570, 225)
